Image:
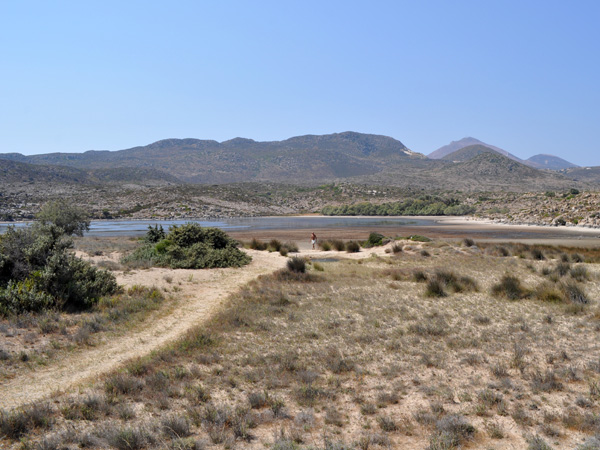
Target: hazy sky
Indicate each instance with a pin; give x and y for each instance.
(81, 75)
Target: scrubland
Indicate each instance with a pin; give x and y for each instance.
(432, 345)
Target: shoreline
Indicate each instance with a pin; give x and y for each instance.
(459, 220)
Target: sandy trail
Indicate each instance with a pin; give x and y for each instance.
(199, 292)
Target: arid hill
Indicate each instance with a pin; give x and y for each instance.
(303, 158)
(549, 162)
(468, 153)
(454, 146)
(454, 152)
(21, 172)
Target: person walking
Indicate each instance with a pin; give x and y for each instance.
(313, 240)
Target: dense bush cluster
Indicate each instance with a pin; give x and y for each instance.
(426, 205)
(189, 246)
(38, 271)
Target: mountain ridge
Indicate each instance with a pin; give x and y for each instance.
(306, 159)
(540, 161)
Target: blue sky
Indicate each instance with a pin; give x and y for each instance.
(81, 75)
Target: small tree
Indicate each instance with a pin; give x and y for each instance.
(71, 219)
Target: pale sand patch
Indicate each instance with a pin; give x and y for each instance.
(202, 291)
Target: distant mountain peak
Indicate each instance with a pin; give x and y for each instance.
(454, 146)
(550, 162)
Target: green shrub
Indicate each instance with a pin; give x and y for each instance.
(23, 296)
(155, 234)
(191, 246)
(375, 239)
(70, 219)
(37, 271)
(425, 205)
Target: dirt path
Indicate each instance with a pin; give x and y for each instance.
(200, 293)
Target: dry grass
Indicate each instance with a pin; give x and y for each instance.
(31, 340)
(305, 360)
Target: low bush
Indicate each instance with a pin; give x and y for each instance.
(274, 245)
(548, 292)
(537, 254)
(291, 247)
(352, 247)
(435, 288)
(573, 293)
(255, 244)
(325, 246)
(16, 423)
(442, 280)
(577, 258)
(338, 245)
(296, 265)
(562, 269)
(537, 443)
(509, 287)
(375, 239)
(580, 273)
(176, 426)
(420, 276)
(451, 432)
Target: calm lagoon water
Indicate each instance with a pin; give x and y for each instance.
(139, 227)
(414, 224)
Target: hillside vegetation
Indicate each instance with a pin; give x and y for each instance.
(422, 206)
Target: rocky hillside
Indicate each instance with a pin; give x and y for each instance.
(20, 172)
(556, 208)
(468, 153)
(467, 142)
(583, 174)
(455, 152)
(304, 160)
(549, 162)
(492, 170)
(301, 158)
